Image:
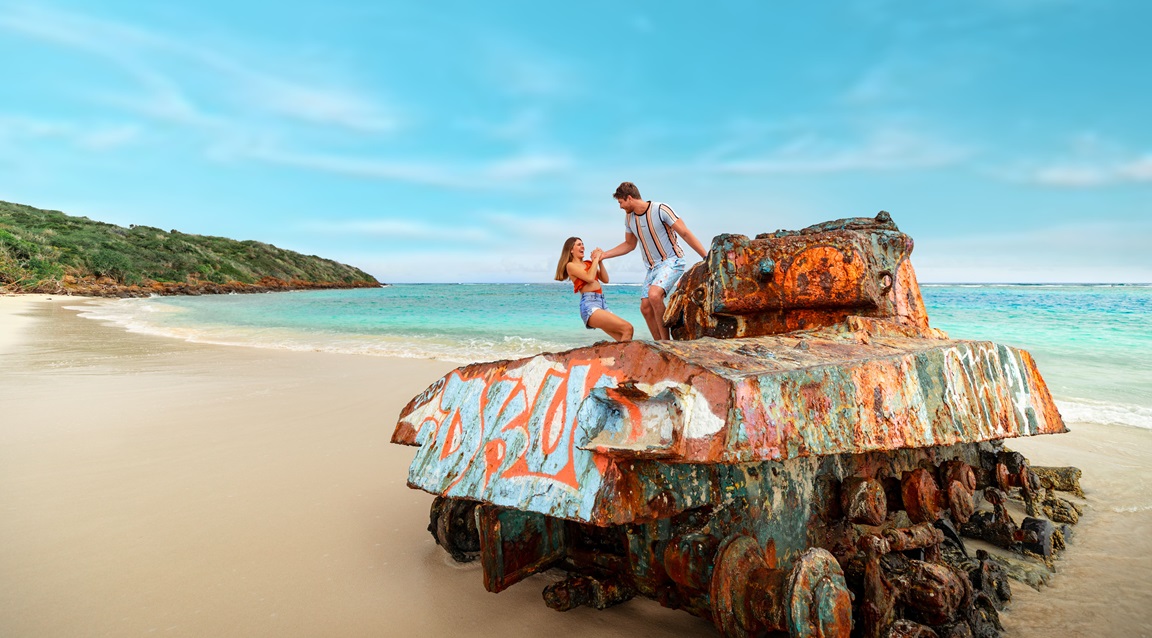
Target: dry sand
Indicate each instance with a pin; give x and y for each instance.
(150, 485)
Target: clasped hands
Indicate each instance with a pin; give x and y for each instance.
(597, 253)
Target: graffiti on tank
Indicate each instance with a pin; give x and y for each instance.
(524, 428)
(992, 380)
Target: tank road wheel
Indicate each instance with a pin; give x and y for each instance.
(452, 522)
(819, 605)
(750, 596)
(737, 559)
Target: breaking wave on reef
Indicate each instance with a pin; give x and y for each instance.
(1099, 412)
(157, 319)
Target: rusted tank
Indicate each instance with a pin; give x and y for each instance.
(803, 458)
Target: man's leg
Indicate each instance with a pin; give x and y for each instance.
(656, 308)
(649, 317)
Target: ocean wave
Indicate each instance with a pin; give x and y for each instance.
(141, 317)
(1132, 509)
(162, 318)
(1089, 411)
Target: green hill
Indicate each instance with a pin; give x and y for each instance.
(48, 251)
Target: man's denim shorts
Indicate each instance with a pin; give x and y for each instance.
(590, 301)
(664, 274)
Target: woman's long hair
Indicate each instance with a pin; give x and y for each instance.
(565, 257)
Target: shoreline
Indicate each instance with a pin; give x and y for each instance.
(154, 484)
(104, 287)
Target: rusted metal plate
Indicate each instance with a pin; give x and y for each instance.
(799, 280)
(516, 544)
(558, 434)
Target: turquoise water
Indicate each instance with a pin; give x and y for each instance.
(1093, 344)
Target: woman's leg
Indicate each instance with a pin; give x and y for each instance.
(617, 328)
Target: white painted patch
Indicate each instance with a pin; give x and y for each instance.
(700, 420)
(1020, 397)
(430, 410)
(532, 374)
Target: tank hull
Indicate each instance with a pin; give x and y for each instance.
(587, 435)
(804, 458)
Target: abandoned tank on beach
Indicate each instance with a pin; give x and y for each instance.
(806, 456)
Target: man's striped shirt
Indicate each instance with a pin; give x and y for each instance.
(653, 229)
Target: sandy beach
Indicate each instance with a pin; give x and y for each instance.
(148, 485)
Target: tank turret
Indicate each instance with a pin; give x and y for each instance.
(800, 280)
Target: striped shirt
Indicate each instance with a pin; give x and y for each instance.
(654, 231)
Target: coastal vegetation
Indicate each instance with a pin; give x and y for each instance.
(49, 251)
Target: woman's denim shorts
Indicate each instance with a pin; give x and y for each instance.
(590, 301)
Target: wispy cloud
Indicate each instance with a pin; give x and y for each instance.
(495, 173)
(880, 150)
(522, 70)
(524, 123)
(99, 136)
(434, 265)
(1091, 161)
(1089, 175)
(1087, 251)
(399, 229)
(236, 89)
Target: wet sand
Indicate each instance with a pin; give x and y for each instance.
(151, 485)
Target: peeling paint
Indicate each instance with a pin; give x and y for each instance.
(807, 434)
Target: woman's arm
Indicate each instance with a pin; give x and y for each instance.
(577, 270)
(603, 274)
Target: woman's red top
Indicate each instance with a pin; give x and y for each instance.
(578, 284)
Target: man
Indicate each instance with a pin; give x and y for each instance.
(654, 227)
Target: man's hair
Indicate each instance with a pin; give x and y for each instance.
(625, 190)
(565, 257)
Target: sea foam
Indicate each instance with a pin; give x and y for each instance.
(1088, 411)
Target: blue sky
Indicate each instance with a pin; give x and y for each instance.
(464, 141)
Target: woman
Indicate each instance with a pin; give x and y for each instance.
(586, 277)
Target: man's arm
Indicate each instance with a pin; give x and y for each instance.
(682, 229)
(625, 247)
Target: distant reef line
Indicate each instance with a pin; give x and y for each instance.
(47, 251)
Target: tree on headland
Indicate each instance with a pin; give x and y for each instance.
(48, 251)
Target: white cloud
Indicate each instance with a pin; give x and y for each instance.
(1083, 174)
(499, 172)
(526, 123)
(526, 165)
(109, 137)
(97, 136)
(1087, 252)
(883, 82)
(879, 150)
(1087, 160)
(455, 266)
(398, 229)
(519, 69)
(1139, 169)
(237, 89)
